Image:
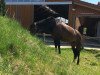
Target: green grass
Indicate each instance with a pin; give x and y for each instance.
(23, 54)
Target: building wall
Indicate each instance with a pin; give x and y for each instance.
(22, 13)
(80, 10)
(77, 10)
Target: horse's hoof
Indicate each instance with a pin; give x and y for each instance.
(77, 63)
(59, 52)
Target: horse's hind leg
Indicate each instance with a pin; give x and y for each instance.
(77, 51)
(74, 51)
(75, 54)
(78, 60)
(78, 47)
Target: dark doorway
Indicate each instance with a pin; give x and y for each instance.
(89, 26)
(61, 9)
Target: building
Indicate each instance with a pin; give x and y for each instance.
(85, 15)
(23, 10)
(80, 14)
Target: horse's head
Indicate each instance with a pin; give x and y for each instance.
(33, 29)
(44, 26)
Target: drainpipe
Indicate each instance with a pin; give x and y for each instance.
(74, 18)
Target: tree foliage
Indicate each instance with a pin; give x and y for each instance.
(2, 7)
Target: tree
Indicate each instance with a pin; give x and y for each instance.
(2, 7)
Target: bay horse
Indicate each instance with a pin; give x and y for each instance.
(60, 32)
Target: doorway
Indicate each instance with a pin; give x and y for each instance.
(89, 26)
(61, 9)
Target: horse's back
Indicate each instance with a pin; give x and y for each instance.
(66, 33)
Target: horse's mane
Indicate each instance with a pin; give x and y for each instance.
(47, 20)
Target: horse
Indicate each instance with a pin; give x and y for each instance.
(60, 32)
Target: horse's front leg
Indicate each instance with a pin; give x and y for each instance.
(57, 45)
(78, 47)
(78, 60)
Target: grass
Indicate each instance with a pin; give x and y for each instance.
(23, 54)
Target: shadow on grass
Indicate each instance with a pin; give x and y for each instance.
(95, 52)
(91, 51)
(98, 56)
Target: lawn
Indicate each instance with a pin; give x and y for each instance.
(89, 63)
(24, 54)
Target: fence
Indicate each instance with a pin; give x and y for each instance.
(88, 41)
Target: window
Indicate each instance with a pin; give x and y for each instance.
(14, 0)
(27, 0)
(8, 0)
(37, 0)
(24, 0)
(19, 0)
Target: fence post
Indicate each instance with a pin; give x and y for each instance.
(44, 37)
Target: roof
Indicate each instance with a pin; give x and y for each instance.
(88, 5)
